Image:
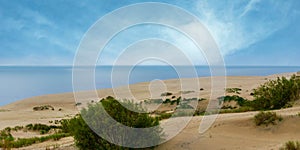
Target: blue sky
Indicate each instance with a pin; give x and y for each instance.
(248, 32)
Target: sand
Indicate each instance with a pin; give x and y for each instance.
(230, 131)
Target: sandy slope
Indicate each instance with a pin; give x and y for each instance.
(230, 131)
(237, 131)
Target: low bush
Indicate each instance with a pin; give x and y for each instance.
(266, 118)
(291, 145)
(42, 128)
(173, 102)
(44, 107)
(237, 110)
(233, 90)
(21, 142)
(240, 101)
(85, 138)
(7, 141)
(178, 100)
(78, 104)
(164, 116)
(201, 99)
(166, 94)
(167, 101)
(199, 112)
(276, 94)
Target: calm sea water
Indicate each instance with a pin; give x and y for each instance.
(22, 82)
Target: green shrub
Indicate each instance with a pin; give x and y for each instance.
(21, 142)
(240, 101)
(78, 104)
(237, 110)
(167, 101)
(291, 145)
(6, 139)
(266, 118)
(164, 116)
(178, 100)
(166, 94)
(85, 138)
(199, 112)
(173, 102)
(44, 107)
(201, 99)
(233, 90)
(276, 94)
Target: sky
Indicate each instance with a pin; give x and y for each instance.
(247, 32)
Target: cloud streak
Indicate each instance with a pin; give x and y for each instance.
(36, 33)
(236, 29)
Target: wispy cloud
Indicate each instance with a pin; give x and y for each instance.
(236, 29)
(34, 33)
(234, 25)
(249, 7)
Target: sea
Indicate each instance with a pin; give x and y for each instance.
(20, 82)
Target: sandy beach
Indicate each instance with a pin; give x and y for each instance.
(229, 131)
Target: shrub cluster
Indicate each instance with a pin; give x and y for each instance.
(85, 138)
(291, 145)
(233, 90)
(240, 101)
(276, 94)
(7, 141)
(45, 107)
(40, 127)
(266, 118)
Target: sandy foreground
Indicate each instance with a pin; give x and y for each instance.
(229, 131)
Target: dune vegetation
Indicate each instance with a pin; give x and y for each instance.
(7, 140)
(86, 138)
(273, 94)
(291, 145)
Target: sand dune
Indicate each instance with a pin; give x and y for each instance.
(230, 131)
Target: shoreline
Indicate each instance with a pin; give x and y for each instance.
(272, 76)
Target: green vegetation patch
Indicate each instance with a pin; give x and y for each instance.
(233, 90)
(42, 128)
(276, 94)
(240, 100)
(291, 145)
(85, 138)
(7, 141)
(44, 107)
(266, 118)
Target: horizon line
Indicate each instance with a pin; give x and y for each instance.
(148, 65)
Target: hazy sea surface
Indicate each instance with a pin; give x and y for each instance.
(19, 82)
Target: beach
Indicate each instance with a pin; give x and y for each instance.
(229, 131)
